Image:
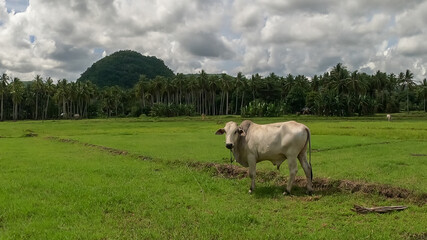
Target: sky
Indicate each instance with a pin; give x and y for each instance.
(62, 38)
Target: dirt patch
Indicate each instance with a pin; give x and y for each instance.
(29, 133)
(107, 149)
(112, 151)
(224, 170)
(418, 155)
(415, 236)
(320, 185)
(350, 146)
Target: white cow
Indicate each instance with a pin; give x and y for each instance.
(389, 117)
(252, 143)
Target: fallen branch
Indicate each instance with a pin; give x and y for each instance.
(385, 209)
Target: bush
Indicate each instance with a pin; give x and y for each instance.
(262, 109)
(173, 110)
(135, 111)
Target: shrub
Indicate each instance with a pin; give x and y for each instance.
(173, 110)
(262, 109)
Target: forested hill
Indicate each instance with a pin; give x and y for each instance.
(123, 69)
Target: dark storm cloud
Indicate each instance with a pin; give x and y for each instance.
(292, 6)
(71, 58)
(205, 44)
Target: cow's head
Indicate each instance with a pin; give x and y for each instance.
(232, 134)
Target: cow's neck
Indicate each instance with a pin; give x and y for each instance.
(239, 150)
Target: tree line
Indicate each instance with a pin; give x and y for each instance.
(338, 92)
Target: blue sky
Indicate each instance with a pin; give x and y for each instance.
(61, 39)
(17, 5)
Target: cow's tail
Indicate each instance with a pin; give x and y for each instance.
(309, 151)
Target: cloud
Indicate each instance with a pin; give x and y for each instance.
(413, 46)
(205, 44)
(62, 38)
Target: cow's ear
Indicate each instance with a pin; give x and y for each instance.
(220, 131)
(242, 132)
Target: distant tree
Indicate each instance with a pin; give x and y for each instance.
(17, 92)
(240, 88)
(37, 87)
(226, 87)
(4, 79)
(296, 97)
(407, 83)
(338, 92)
(203, 88)
(49, 92)
(62, 96)
(213, 82)
(424, 92)
(253, 85)
(180, 82)
(140, 89)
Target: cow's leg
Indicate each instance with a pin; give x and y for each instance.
(307, 170)
(293, 169)
(252, 172)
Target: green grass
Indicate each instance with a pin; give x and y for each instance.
(65, 190)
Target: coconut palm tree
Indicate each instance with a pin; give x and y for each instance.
(424, 92)
(203, 88)
(241, 86)
(88, 94)
(49, 91)
(192, 86)
(226, 87)
(339, 79)
(116, 97)
(169, 89)
(17, 92)
(179, 82)
(37, 87)
(315, 83)
(407, 84)
(253, 84)
(61, 95)
(238, 86)
(4, 79)
(140, 89)
(158, 86)
(213, 87)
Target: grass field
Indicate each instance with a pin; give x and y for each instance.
(136, 179)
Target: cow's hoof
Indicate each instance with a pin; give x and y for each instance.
(250, 191)
(286, 193)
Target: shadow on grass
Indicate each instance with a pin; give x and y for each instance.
(321, 186)
(297, 191)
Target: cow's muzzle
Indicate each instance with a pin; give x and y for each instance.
(229, 145)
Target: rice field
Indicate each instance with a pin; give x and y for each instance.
(170, 178)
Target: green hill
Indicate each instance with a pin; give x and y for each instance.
(123, 68)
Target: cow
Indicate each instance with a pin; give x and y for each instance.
(252, 143)
(389, 117)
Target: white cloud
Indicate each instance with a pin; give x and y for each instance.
(62, 38)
